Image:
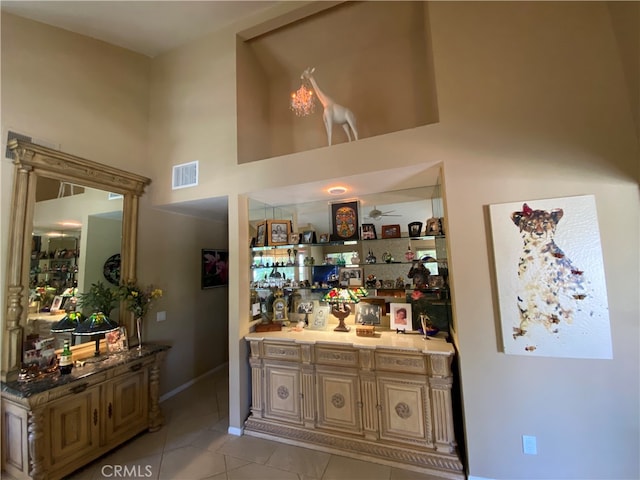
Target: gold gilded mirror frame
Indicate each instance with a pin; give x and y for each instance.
(31, 161)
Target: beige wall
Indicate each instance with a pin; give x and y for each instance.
(93, 100)
(532, 105)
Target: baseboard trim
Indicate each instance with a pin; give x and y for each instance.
(473, 477)
(238, 432)
(191, 382)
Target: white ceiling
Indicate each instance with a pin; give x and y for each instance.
(147, 27)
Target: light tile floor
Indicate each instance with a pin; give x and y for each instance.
(194, 444)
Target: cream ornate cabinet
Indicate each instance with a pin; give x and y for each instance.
(53, 426)
(385, 398)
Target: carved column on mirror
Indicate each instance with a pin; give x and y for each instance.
(16, 272)
(156, 419)
(35, 426)
(128, 255)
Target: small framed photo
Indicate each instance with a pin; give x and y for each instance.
(391, 231)
(56, 304)
(369, 231)
(433, 226)
(368, 313)
(215, 268)
(294, 238)
(308, 237)
(350, 277)
(261, 234)
(320, 317)
(117, 340)
(380, 302)
(324, 238)
(400, 318)
(344, 221)
(415, 229)
(278, 232)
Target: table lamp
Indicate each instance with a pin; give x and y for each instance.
(339, 298)
(96, 325)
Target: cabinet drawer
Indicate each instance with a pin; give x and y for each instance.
(77, 387)
(278, 351)
(401, 362)
(342, 357)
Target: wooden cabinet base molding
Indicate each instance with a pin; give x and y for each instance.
(386, 399)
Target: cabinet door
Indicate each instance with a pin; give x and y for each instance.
(282, 392)
(73, 426)
(339, 400)
(404, 409)
(127, 404)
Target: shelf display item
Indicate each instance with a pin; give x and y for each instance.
(369, 231)
(391, 231)
(344, 218)
(415, 229)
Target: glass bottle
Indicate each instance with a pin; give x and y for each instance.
(66, 363)
(409, 255)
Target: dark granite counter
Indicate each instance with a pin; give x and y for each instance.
(34, 387)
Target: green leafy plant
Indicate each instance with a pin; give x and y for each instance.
(99, 298)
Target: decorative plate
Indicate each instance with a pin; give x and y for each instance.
(111, 269)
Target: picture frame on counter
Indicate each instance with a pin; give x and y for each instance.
(400, 317)
(368, 313)
(117, 341)
(320, 317)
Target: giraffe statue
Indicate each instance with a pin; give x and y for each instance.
(333, 113)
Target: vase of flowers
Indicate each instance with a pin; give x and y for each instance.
(138, 300)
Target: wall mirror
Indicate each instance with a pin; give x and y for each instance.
(69, 216)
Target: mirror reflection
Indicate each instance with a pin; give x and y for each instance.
(76, 242)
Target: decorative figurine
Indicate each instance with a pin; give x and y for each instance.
(333, 113)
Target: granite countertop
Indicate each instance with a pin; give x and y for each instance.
(383, 339)
(28, 389)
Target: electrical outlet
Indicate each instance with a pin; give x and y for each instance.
(161, 316)
(529, 445)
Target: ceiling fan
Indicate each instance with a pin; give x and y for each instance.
(376, 214)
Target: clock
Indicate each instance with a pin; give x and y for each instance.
(280, 310)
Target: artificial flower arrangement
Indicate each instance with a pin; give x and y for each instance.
(139, 299)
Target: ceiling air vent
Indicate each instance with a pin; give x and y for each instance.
(185, 175)
(27, 138)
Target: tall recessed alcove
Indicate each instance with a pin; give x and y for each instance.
(374, 58)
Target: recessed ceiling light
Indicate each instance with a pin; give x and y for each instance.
(337, 190)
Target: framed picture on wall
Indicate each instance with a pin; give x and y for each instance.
(344, 221)
(215, 268)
